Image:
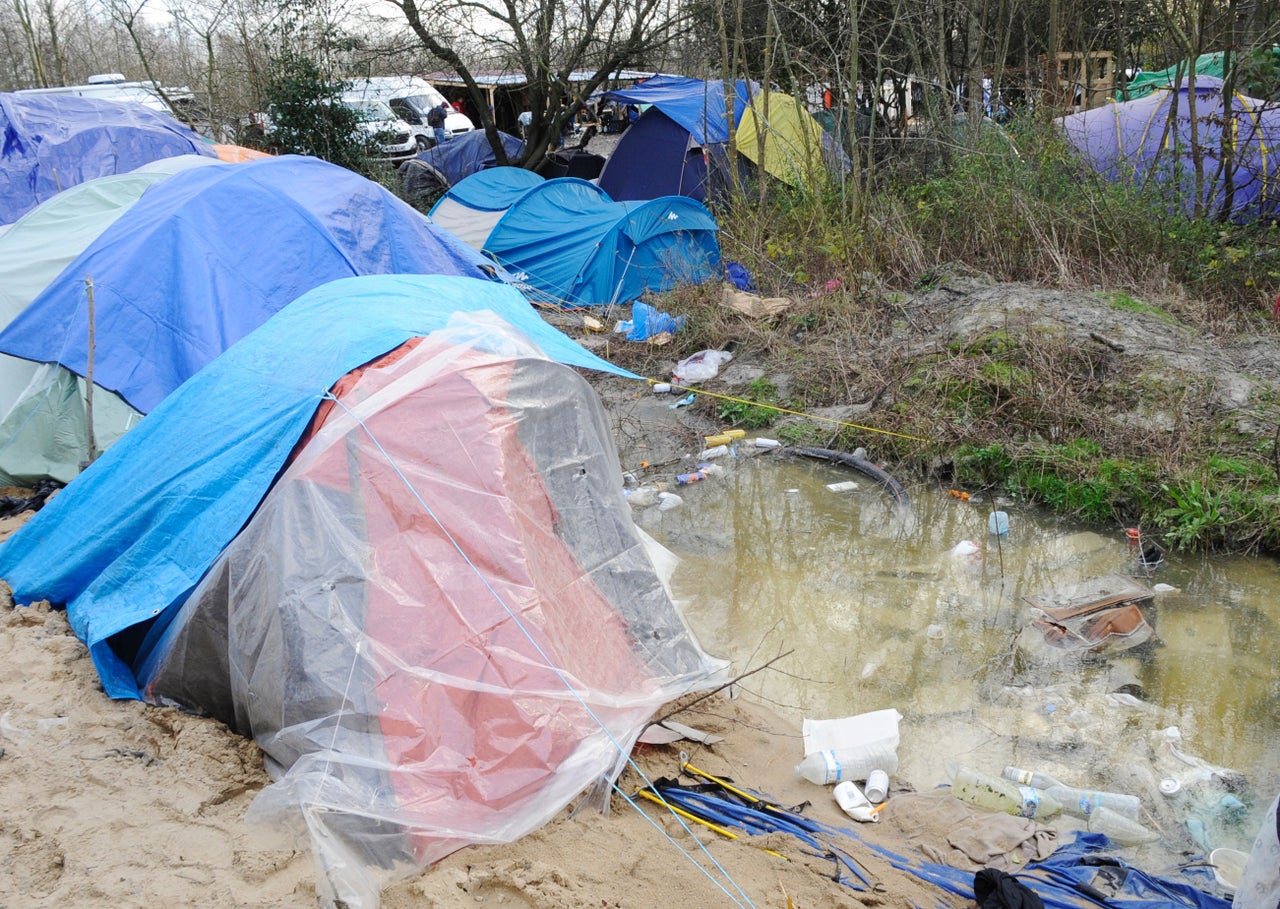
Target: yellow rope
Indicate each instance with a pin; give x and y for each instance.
(794, 413)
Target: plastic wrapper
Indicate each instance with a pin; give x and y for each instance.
(441, 624)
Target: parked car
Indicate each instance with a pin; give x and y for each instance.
(386, 135)
(410, 98)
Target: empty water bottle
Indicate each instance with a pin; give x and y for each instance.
(1119, 829)
(1029, 778)
(835, 765)
(1084, 802)
(853, 803)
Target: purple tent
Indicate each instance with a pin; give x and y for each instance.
(1151, 139)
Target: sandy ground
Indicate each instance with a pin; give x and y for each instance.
(116, 803)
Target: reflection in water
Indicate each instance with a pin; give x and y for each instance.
(882, 613)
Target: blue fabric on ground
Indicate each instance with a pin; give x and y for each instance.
(205, 257)
(51, 142)
(132, 535)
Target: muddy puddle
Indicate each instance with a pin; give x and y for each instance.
(923, 611)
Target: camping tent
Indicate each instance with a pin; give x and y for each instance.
(51, 142)
(42, 411)
(570, 243)
(439, 622)
(777, 133)
(664, 152)
(655, 157)
(441, 166)
(206, 256)
(1151, 139)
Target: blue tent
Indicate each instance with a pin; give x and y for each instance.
(655, 157)
(136, 531)
(51, 142)
(1150, 138)
(206, 256)
(572, 244)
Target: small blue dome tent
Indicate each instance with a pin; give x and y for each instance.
(1151, 138)
(51, 142)
(571, 243)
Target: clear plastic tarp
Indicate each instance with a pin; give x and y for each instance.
(440, 625)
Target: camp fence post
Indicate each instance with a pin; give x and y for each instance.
(88, 381)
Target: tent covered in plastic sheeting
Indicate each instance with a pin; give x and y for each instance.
(42, 411)
(570, 243)
(51, 142)
(441, 166)
(205, 257)
(1151, 139)
(437, 620)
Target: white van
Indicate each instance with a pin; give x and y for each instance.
(114, 87)
(410, 98)
(389, 137)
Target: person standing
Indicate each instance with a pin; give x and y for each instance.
(435, 119)
(526, 123)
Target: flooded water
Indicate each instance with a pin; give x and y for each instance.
(877, 611)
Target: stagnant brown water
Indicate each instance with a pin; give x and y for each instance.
(879, 613)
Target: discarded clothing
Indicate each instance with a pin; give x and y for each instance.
(996, 890)
(952, 833)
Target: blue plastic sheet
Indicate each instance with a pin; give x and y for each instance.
(133, 535)
(205, 257)
(51, 142)
(468, 153)
(647, 322)
(697, 105)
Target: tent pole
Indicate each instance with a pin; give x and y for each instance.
(88, 382)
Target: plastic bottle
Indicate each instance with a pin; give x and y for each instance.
(661, 388)
(1084, 802)
(715, 451)
(720, 439)
(735, 433)
(853, 803)
(835, 765)
(762, 442)
(998, 794)
(685, 479)
(1029, 778)
(843, 486)
(1120, 829)
(643, 496)
(877, 788)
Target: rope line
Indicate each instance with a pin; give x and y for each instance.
(554, 668)
(794, 413)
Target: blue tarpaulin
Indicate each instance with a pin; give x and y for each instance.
(695, 104)
(467, 153)
(131, 537)
(51, 142)
(206, 256)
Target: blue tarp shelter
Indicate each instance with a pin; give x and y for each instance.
(136, 531)
(51, 142)
(1151, 139)
(467, 153)
(208, 255)
(571, 243)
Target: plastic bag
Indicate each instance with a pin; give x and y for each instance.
(647, 322)
(700, 367)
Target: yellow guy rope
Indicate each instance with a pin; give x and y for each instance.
(794, 413)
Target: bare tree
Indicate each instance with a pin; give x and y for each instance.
(546, 41)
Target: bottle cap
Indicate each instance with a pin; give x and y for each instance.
(1170, 786)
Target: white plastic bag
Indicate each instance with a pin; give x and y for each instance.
(700, 367)
(870, 737)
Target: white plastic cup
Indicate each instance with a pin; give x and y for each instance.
(877, 788)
